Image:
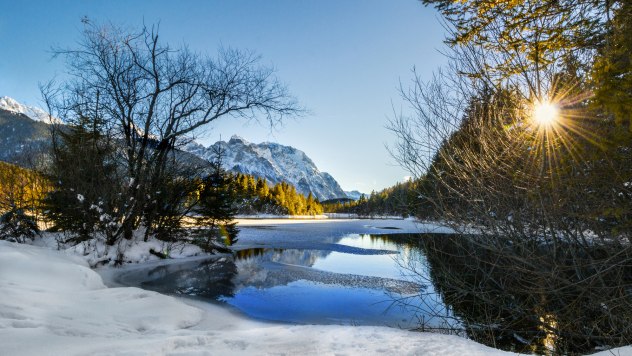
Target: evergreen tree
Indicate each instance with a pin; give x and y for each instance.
(262, 188)
(17, 226)
(612, 72)
(217, 206)
(87, 189)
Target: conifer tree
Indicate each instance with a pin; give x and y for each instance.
(612, 71)
(216, 207)
(17, 226)
(86, 186)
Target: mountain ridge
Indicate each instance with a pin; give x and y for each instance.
(275, 163)
(32, 112)
(22, 139)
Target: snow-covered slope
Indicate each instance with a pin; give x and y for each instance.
(275, 163)
(34, 113)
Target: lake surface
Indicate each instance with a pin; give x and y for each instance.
(361, 273)
(367, 280)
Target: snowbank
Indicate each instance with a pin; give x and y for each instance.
(280, 217)
(97, 253)
(52, 303)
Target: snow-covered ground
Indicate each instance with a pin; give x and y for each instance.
(52, 303)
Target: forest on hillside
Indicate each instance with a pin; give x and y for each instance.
(399, 200)
(25, 196)
(523, 143)
(255, 196)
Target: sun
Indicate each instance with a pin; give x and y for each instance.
(545, 113)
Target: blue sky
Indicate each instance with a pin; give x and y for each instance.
(342, 59)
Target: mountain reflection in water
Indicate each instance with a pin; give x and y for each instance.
(356, 281)
(398, 280)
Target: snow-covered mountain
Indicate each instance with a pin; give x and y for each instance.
(354, 194)
(22, 138)
(275, 163)
(33, 113)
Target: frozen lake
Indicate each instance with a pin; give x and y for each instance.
(359, 272)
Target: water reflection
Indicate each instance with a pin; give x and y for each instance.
(356, 281)
(456, 284)
(534, 299)
(207, 279)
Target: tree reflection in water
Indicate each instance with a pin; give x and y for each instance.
(531, 299)
(207, 279)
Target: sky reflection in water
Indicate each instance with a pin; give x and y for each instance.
(326, 287)
(314, 286)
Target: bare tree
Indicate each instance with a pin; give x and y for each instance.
(152, 98)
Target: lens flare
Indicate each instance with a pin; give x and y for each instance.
(545, 113)
(558, 129)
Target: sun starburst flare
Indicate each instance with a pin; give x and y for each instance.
(545, 113)
(559, 131)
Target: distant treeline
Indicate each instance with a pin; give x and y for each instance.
(399, 200)
(22, 188)
(21, 193)
(255, 196)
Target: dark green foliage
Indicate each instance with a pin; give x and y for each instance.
(17, 226)
(612, 71)
(532, 35)
(176, 198)
(217, 207)
(87, 190)
(398, 200)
